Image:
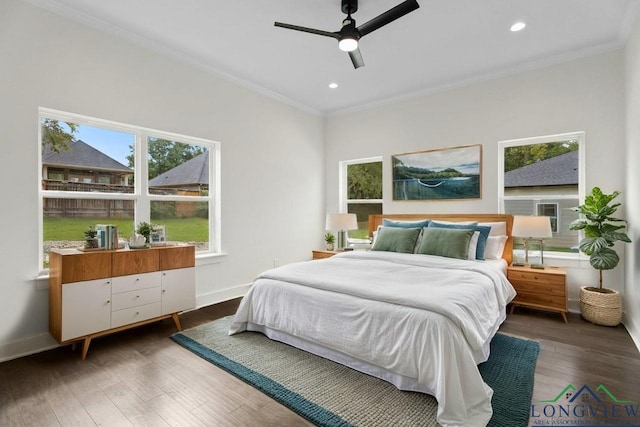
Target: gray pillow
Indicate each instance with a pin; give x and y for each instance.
(392, 239)
(447, 242)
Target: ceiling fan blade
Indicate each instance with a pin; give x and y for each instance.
(356, 58)
(307, 30)
(388, 16)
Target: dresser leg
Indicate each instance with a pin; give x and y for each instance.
(85, 347)
(176, 319)
(564, 316)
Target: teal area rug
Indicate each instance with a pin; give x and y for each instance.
(329, 394)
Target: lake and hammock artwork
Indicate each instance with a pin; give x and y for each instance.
(443, 174)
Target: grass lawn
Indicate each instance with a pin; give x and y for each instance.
(177, 229)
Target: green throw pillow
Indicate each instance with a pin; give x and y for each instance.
(447, 242)
(393, 239)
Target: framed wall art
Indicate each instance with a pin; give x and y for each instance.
(444, 174)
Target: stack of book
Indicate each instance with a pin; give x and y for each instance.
(107, 236)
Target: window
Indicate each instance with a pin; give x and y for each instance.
(550, 210)
(361, 192)
(93, 171)
(544, 176)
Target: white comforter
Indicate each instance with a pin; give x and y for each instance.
(427, 321)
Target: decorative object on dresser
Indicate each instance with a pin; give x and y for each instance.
(329, 240)
(542, 289)
(145, 229)
(601, 306)
(90, 238)
(341, 223)
(532, 228)
(92, 294)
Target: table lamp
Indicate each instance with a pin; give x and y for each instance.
(532, 228)
(341, 223)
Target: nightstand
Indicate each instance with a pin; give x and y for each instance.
(543, 289)
(323, 254)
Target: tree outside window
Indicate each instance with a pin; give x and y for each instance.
(362, 180)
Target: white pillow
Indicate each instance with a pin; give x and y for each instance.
(473, 243)
(497, 228)
(494, 247)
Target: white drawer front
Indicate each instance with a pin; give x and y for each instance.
(135, 298)
(135, 282)
(134, 314)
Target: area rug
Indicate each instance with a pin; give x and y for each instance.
(329, 394)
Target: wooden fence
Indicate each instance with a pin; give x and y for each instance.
(86, 208)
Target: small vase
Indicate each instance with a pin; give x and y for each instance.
(329, 246)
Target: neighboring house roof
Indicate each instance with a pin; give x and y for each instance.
(193, 171)
(82, 156)
(559, 170)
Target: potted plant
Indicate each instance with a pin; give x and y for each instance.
(145, 229)
(329, 239)
(600, 305)
(90, 238)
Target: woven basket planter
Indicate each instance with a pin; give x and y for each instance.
(601, 308)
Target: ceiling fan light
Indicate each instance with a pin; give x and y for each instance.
(518, 26)
(348, 44)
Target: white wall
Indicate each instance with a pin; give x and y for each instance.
(581, 95)
(632, 285)
(272, 154)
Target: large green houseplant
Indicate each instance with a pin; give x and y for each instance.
(602, 230)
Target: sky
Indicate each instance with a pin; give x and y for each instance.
(112, 143)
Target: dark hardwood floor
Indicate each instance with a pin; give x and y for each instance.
(141, 378)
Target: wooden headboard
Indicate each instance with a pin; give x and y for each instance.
(507, 255)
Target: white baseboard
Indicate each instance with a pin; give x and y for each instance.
(222, 295)
(27, 346)
(633, 330)
(573, 305)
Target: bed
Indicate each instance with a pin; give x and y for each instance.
(422, 321)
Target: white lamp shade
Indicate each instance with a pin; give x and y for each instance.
(341, 222)
(536, 227)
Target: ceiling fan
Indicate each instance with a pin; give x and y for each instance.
(349, 34)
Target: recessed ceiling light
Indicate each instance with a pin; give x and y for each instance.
(333, 85)
(518, 26)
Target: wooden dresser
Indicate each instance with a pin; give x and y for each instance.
(97, 293)
(543, 289)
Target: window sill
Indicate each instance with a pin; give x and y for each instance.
(210, 258)
(556, 259)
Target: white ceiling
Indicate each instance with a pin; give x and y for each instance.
(444, 43)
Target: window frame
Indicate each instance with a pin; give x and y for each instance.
(140, 194)
(555, 216)
(581, 138)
